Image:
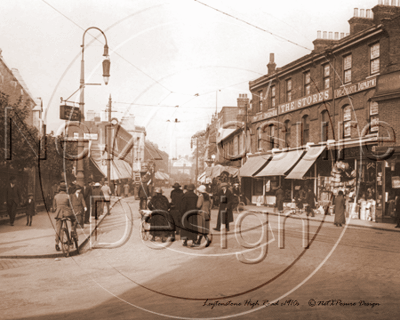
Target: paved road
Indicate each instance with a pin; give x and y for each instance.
(135, 281)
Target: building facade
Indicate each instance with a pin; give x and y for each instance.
(325, 115)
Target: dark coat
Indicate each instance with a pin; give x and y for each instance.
(159, 205)
(280, 195)
(30, 207)
(189, 204)
(87, 192)
(203, 219)
(13, 195)
(225, 204)
(61, 205)
(143, 191)
(310, 199)
(97, 201)
(78, 204)
(176, 200)
(340, 209)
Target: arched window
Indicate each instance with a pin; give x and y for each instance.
(286, 129)
(305, 130)
(271, 132)
(324, 125)
(346, 121)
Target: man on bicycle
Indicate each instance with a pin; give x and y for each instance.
(61, 205)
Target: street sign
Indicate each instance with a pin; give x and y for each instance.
(70, 113)
(90, 136)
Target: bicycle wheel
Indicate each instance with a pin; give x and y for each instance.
(65, 242)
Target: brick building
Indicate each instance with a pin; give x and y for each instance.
(321, 120)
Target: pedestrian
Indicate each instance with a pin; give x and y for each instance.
(310, 200)
(176, 200)
(189, 215)
(185, 188)
(143, 195)
(160, 216)
(78, 205)
(204, 215)
(97, 200)
(279, 195)
(107, 196)
(126, 190)
(225, 214)
(30, 207)
(13, 199)
(340, 209)
(87, 194)
(236, 195)
(61, 205)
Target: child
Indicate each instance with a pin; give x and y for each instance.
(30, 209)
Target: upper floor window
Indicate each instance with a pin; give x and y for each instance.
(305, 130)
(327, 74)
(347, 121)
(259, 139)
(261, 97)
(307, 83)
(347, 63)
(271, 136)
(373, 117)
(273, 93)
(287, 133)
(324, 125)
(289, 90)
(374, 58)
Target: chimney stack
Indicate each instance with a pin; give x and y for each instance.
(385, 10)
(271, 64)
(360, 22)
(320, 44)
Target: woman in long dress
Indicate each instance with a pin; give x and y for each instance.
(203, 217)
(340, 210)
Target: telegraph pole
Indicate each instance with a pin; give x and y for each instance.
(109, 151)
(197, 159)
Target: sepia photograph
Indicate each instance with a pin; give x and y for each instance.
(199, 159)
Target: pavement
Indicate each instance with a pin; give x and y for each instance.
(37, 241)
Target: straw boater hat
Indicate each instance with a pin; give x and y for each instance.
(224, 184)
(97, 184)
(176, 185)
(158, 190)
(201, 189)
(191, 187)
(63, 186)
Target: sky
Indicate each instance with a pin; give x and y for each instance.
(177, 59)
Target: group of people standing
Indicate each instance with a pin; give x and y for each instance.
(188, 214)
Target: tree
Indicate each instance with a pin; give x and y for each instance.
(199, 141)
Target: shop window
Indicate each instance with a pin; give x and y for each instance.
(271, 131)
(373, 117)
(288, 90)
(305, 130)
(261, 97)
(324, 125)
(307, 83)
(374, 58)
(346, 121)
(287, 133)
(258, 187)
(347, 63)
(327, 74)
(273, 93)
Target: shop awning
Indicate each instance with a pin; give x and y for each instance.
(281, 163)
(119, 169)
(253, 165)
(305, 163)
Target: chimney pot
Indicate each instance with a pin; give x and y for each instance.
(356, 12)
(347, 34)
(319, 34)
(341, 35)
(271, 57)
(386, 2)
(362, 13)
(393, 3)
(336, 35)
(368, 13)
(330, 35)
(325, 34)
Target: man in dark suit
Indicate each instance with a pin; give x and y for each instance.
(78, 205)
(225, 214)
(13, 198)
(87, 193)
(143, 195)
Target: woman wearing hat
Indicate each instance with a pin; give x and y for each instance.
(225, 214)
(204, 214)
(159, 217)
(62, 208)
(176, 199)
(189, 216)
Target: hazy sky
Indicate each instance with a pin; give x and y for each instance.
(163, 53)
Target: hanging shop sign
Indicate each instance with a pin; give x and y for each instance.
(354, 88)
(70, 113)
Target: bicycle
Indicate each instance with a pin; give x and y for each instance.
(65, 238)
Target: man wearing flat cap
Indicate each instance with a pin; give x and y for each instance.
(225, 214)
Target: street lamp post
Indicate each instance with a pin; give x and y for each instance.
(80, 177)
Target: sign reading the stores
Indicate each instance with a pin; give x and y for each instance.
(306, 101)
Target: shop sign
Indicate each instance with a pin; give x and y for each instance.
(90, 136)
(354, 88)
(266, 115)
(70, 113)
(396, 182)
(388, 83)
(306, 101)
